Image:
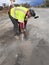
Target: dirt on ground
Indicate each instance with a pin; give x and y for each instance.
(34, 50)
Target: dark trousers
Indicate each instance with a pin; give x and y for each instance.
(16, 25)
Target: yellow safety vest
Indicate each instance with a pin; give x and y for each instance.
(19, 13)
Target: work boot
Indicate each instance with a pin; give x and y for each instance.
(17, 37)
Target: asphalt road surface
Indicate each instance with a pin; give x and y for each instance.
(34, 50)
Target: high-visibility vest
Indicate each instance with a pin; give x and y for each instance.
(19, 13)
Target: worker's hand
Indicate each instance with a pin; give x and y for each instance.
(23, 30)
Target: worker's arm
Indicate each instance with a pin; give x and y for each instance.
(26, 18)
(21, 26)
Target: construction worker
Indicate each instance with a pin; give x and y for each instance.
(19, 16)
